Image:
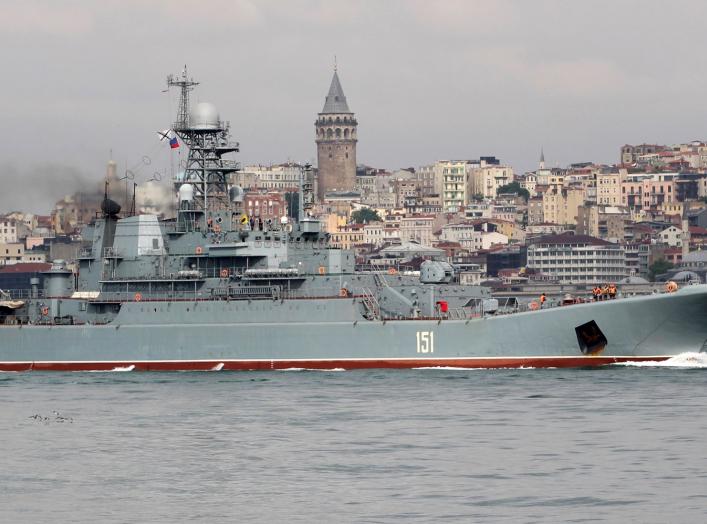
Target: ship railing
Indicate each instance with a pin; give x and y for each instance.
(381, 268)
(323, 292)
(465, 312)
(20, 294)
(15, 320)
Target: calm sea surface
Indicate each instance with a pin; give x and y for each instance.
(619, 444)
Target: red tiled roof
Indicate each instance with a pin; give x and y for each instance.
(29, 267)
(696, 230)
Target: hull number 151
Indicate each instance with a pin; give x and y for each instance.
(425, 342)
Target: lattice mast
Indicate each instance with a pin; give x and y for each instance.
(208, 139)
(185, 85)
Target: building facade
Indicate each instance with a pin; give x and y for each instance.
(577, 259)
(336, 142)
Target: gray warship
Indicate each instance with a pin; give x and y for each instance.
(214, 289)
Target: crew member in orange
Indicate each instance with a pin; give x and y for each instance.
(612, 290)
(605, 292)
(543, 298)
(596, 293)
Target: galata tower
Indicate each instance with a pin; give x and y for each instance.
(336, 142)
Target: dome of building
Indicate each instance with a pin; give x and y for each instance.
(204, 116)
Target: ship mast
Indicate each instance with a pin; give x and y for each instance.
(208, 139)
(185, 85)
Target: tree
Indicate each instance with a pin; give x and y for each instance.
(365, 215)
(658, 267)
(514, 187)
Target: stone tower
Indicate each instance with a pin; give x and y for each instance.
(336, 142)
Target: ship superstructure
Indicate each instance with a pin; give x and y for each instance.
(220, 287)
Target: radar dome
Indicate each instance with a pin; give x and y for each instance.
(204, 116)
(186, 193)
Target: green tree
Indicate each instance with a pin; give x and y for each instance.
(658, 267)
(365, 215)
(514, 187)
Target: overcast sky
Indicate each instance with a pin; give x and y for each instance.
(427, 80)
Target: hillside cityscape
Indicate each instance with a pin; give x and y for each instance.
(641, 219)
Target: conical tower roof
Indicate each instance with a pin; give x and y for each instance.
(335, 100)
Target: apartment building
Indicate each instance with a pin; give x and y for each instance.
(577, 259)
(560, 204)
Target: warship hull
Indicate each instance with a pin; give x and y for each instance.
(331, 334)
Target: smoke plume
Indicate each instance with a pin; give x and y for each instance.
(35, 189)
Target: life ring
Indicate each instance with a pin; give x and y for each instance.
(199, 250)
(322, 270)
(217, 228)
(138, 297)
(45, 311)
(343, 292)
(534, 305)
(224, 273)
(392, 271)
(671, 287)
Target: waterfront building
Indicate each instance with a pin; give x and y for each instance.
(336, 139)
(577, 259)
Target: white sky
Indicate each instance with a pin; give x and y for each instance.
(426, 79)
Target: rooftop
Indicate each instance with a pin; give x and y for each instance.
(336, 100)
(29, 267)
(568, 238)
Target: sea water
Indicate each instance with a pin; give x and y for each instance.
(613, 444)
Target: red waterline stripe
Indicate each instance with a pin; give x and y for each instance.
(262, 365)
